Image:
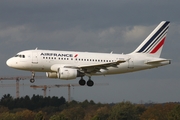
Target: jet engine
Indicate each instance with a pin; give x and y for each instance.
(67, 73)
(51, 74)
(64, 73)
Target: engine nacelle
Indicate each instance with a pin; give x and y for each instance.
(51, 74)
(67, 73)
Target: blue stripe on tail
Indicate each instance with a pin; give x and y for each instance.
(153, 37)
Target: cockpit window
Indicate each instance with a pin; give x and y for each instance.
(20, 56)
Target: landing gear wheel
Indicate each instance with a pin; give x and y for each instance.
(82, 82)
(90, 83)
(32, 80)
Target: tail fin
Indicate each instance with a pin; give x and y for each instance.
(153, 44)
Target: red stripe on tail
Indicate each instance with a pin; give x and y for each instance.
(158, 46)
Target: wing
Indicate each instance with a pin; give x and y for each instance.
(93, 68)
(90, 68)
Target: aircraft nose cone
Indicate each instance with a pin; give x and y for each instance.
(9, 62)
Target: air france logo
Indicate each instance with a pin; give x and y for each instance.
(75, 55)
(57, 54)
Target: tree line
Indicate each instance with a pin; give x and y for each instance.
(54, 108)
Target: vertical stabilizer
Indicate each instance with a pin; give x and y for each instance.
(153, 44)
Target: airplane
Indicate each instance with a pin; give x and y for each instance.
(67, 65)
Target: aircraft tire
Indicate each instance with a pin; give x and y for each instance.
(90, 83)
(82, 82)
(32, 80)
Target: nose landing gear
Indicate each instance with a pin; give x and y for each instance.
(32, 80)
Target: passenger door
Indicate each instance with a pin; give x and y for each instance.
(34, 57)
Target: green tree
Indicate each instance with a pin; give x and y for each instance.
(102, 113)
(39, 116)
(58, 117)
(7, 101)
(3, 109)
(25, 115)
(124, 111)
(75, 113)
(175, 113)
(158, 111)
(85, 104)
(8, 116)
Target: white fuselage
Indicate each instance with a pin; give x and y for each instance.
(43, 60)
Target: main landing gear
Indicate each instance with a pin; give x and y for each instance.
(32, 80)
(82, 82)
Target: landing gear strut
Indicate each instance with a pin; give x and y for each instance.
(32, 80)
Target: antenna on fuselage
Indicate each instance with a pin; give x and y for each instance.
(36, 48)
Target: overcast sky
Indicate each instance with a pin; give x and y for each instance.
(95, 26)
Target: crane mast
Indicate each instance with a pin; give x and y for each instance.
(17, 85)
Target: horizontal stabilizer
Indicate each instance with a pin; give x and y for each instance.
(158, 61)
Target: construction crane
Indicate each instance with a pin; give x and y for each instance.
(17, 82)
(44, 88)
(14, 85)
